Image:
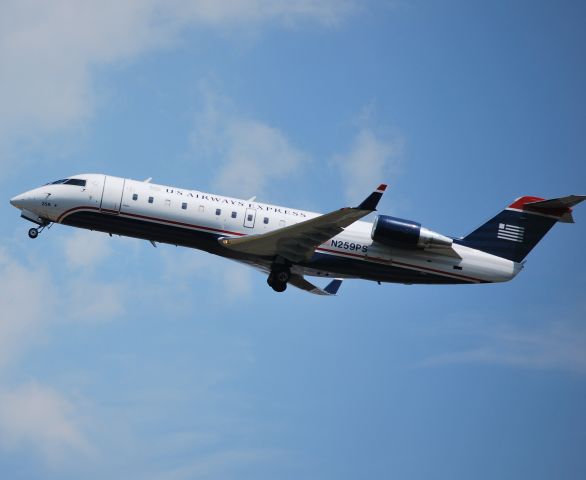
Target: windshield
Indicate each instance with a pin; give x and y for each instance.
(69, 181)
(75, 181)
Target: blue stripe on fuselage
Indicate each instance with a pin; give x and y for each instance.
(330, 263)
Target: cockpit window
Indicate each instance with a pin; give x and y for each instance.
(70, 181)
(75, 181)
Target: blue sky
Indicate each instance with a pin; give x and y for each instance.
(120, 360)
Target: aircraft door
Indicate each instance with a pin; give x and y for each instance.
(112, 195)
(249, 217)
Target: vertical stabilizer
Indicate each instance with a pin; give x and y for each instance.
(514, 232)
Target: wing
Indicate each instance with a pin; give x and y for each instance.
(299, 281)
(298, 242)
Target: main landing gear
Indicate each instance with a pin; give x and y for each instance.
(279, 276)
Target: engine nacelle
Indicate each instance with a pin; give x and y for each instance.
(396, 232)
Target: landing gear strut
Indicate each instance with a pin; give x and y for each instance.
(34, 232)
(279, 276)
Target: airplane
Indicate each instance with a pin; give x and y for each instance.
(289, 244)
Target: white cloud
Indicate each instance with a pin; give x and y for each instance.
(88, 298)
(30, 300)
(185, 269)
(85, 249)
(238, 281)
(227, 463)
(49, 51)
(256, 153)
(91, 300)
(27, 300)
(37, 417)
(229, 12)
(372, 159)
(552, 345)
(252, 153)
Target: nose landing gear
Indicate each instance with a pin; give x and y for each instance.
(34, 232)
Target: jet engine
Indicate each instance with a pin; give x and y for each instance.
(400, 233)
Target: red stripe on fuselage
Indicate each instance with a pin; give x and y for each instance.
(322, 249)
(395, 262)
(146, 217)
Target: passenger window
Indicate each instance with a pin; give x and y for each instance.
(151, 199)
(266, 220)
(233, 214)
(184, 206)
(249, 217)
(218, 211)
(135, 196)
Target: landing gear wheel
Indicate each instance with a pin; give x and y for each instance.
(279, 286)
(282, 276)
(33, 233)
(278, 280)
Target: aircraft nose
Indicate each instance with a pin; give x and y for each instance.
(17, 201)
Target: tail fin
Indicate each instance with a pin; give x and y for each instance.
(514, 232)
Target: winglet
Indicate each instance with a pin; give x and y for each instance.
(333, 287)
(300, 282)
(372, 200)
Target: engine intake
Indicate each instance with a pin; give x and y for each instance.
(400, 233)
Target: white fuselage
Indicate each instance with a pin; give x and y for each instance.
(196, 219)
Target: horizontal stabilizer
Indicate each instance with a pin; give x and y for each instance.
(558, 207)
